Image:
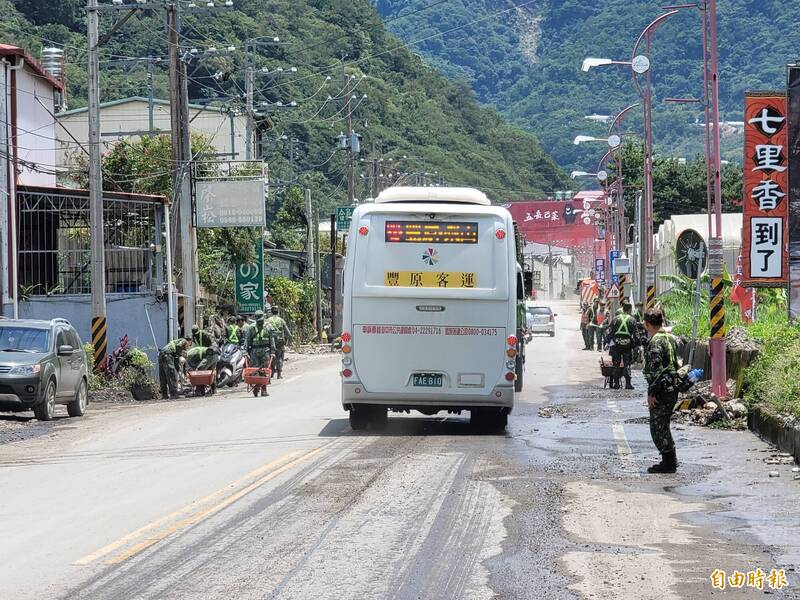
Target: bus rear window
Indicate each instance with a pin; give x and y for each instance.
(426, 232)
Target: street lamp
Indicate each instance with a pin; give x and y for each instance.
(640, 65)
(612, 140)
(601, 175)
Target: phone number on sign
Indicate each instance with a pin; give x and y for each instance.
(428, 330)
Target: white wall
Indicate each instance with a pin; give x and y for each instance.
(35, 127)
(134, 116)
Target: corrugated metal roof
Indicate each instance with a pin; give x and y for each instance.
(131, 99)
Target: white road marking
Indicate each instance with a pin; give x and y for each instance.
(623, 448)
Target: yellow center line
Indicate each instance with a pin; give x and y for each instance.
(272, 469)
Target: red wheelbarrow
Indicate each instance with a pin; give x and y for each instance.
(202, 381)
(257, 379)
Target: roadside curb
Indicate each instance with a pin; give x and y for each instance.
(773, 429)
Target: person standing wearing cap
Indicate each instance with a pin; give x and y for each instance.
(200, 337)
(260, 347)
(280, 331)
(623, 333)
(660, 371)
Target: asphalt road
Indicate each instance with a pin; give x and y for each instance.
(239, 497)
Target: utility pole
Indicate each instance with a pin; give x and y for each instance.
(333, 276)
(150, 99)
(719, 376)
(182, 157)
(249, 87)
(311, 262)
(641, 253)
(97, 240)
(350, 166)
(318, 275)
(550, 263)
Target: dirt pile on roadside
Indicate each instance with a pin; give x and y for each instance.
(700, 406)
(737, 338)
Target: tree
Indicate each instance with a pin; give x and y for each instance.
(289, 229)
(144, 166)
(678, 187)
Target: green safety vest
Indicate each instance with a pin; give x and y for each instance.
(673, 361)
(233, 334)
(174, 347)
(197, 353)
(622, 328)
(276, 324)
(261, 335)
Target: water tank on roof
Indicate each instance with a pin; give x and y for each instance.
(53, 62)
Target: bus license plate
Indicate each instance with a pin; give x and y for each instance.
(427, 380)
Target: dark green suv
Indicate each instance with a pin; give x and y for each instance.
(42, 363)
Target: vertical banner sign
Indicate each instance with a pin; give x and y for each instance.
(766, 186)
(794, 189)
(250, 283)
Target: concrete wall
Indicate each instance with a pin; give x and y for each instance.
(36, 127)
(133, 116)
(131, 315)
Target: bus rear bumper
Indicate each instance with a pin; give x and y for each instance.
(500, 397)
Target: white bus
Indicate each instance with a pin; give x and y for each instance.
(430, 307)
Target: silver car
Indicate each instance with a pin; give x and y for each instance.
(541, 319)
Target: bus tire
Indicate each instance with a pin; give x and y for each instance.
(488, 420)
(359, 418)
(379, 418)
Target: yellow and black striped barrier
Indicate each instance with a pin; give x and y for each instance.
(99, 339)
(717, 306)
(651, 297)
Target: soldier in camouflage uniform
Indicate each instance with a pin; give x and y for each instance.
(622, 335)
(168, 360)
(660, 370)
(260, 347)
(282, 334)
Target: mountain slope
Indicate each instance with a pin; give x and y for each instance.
(531, 55)
(410, 109)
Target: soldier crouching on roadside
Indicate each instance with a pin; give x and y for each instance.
(661, 372)
(168, 359)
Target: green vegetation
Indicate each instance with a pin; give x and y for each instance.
(296, 299)
(409, 110)
(774, 379)
(679, 188)
(525, 61)
(677, 304)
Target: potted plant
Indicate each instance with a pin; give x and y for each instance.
(136, 375)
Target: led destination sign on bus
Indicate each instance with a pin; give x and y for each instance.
(431, 233)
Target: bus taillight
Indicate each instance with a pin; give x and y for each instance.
(510, 376)
(500, 234)
(346, 337)
(346, 373)
(511, 340)
(363, 230)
